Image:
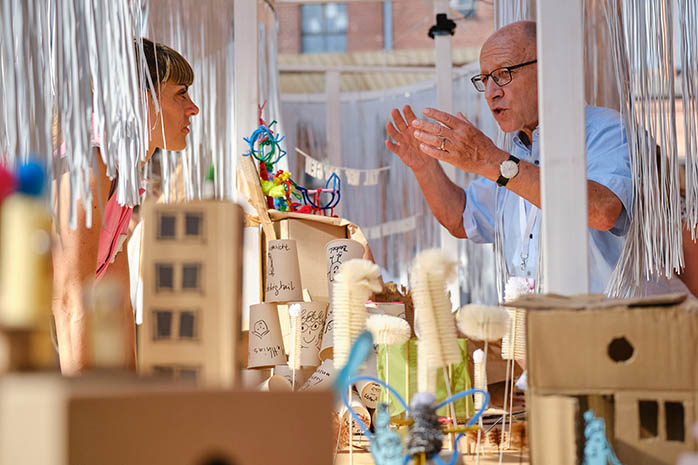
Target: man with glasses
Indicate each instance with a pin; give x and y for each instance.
(508, 192)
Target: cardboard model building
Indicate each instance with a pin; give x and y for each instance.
(632, 362)
(192, 274)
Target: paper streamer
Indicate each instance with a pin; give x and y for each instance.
(320, 170)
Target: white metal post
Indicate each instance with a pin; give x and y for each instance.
(563, 153)
(444, 101)
(333, 119)
(246, 99)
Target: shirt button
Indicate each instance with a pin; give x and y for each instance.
(537, 162)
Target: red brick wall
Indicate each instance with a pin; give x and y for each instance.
(289, 17)
(411, 22)
(365, 28)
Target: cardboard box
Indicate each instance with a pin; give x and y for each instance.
(107, 420)
(633, 362)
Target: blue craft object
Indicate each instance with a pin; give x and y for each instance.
(31, 177)
(372, 438)
(597, 450)
(386, 447)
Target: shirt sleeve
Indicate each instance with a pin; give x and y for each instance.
(608, 163)
(479, 213)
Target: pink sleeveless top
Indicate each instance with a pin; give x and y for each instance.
(114, 233)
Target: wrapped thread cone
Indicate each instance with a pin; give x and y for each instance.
(431, 271)
(353, 285)
(282, 282)
(265, 347)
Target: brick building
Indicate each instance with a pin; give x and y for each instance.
(372, 26)
(372, 34)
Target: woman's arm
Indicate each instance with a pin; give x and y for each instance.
(74, 266)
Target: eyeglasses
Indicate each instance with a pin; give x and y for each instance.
(500, 76)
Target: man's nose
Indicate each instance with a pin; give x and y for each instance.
(492, 90)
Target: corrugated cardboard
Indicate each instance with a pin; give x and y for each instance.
(49, 420)
(573, 358)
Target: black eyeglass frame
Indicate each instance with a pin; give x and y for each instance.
(508, 68)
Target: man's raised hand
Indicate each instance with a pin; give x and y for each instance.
(404, 144)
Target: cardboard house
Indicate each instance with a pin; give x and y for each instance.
(192, 275)
(633, 362)
(118, 419)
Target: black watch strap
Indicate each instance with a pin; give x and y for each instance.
(501, 180)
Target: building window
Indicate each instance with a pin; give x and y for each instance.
(192, 224)
(191, 279)
(187, 325)
(674, 417)
(188, 373)
(163, 371)
(464, 7)
(166, 227)
(324, 28)
(649, 413)
(163, 324)
(164, 276)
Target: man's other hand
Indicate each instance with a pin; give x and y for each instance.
(403, 143)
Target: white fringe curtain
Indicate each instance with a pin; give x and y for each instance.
(642, 42)
(72, 61)
(203, 34)
(397, 195)
(688, 39)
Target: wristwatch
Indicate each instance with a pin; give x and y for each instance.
(507, 170)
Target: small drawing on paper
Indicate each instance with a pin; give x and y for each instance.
(260, 329)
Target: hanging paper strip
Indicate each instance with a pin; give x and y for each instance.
(391, 227)
(319, 170)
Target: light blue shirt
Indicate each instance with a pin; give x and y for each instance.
(607, 164)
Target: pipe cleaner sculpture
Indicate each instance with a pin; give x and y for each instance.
(425, 430)
(281, 192)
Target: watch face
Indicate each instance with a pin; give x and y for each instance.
(509, 169)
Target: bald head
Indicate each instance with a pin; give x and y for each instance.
(518, 38)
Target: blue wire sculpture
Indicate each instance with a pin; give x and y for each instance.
(459, 395)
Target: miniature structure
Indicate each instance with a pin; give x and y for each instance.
(632, 362)
(192, 271)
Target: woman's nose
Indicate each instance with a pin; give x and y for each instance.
(192, 110)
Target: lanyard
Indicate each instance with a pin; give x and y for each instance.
(527, 228)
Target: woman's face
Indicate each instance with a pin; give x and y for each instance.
(176, 110)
